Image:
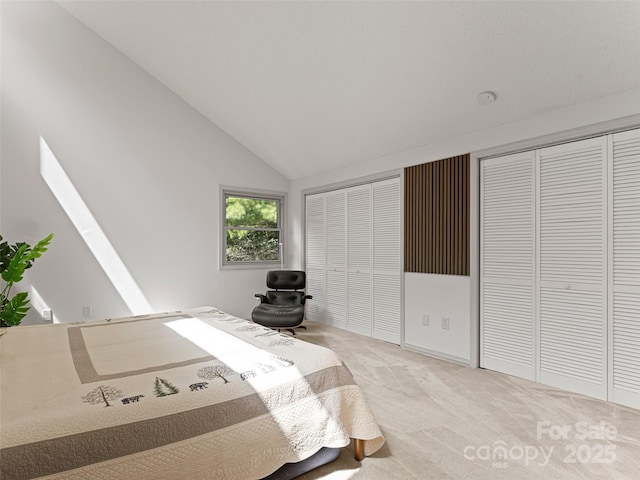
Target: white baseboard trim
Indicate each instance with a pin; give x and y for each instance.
(438, 355)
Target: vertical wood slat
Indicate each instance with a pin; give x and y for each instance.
(436, 213)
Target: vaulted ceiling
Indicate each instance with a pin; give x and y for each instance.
(313, 86)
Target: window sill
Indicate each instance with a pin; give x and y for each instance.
(251, 266)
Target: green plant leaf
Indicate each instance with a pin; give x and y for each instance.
(39, 248)
(14, 260)
(18, 263)
(15, 310)
(6, 254)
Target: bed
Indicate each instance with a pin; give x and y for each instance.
(187, 394)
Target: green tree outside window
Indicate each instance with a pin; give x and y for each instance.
(252, 229)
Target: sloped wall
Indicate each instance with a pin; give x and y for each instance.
(146, 165)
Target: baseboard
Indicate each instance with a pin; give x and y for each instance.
(438, 355)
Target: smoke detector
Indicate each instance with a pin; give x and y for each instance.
(486, 98)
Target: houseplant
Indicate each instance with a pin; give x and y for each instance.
(14, 260)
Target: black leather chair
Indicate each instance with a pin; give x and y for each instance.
(282, 307)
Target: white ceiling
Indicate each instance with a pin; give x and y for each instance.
(313, 86)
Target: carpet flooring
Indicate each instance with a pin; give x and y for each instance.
(443, 421)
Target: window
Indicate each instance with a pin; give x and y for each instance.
(253, 228)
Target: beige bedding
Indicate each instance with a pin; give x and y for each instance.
(193, 394)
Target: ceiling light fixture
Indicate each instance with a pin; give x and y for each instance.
(486, 98)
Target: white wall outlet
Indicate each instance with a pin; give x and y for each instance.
(445, 323)
(425, 319)
(86, 311)
(47, 315)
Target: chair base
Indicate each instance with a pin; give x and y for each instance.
(292, 330)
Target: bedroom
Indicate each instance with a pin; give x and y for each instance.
(148, 164)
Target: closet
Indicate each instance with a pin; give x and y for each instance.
(560, 266)
(353, 258)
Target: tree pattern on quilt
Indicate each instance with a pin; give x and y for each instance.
(248, 328)
(264, 368)
(283, 361)
(102, 394)
(163, 387)
(281, 342)
(215, 371)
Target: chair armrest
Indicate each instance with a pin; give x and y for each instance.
(306, 297)
(263, 298)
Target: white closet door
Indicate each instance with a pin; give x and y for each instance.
(386, 260)
(316, 256)
(507, 265)
(572, 267)
(336, 213)
(624, 290)
(359, 309)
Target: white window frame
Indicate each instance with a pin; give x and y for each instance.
(279, 197)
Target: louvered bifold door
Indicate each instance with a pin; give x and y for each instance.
(386, 260)
(316, 256)
(507, 265)
(572, 267)
(359, 308)
(624, 278)
(336, 209)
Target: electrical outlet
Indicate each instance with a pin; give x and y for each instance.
(47, 315)
(86, 311)
(445, 323)
(425, 319)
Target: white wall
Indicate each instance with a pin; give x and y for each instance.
(146, 164)
(417, 294)
(438, 297)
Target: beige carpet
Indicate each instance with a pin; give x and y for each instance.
(445, 421)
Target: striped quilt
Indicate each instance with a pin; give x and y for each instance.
(187, 394)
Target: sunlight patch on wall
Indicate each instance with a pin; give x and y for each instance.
(38, 303)
(90, 231)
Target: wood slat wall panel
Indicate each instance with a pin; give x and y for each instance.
(436, 198)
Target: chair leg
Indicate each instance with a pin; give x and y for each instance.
(304, 327)
(288, 330)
